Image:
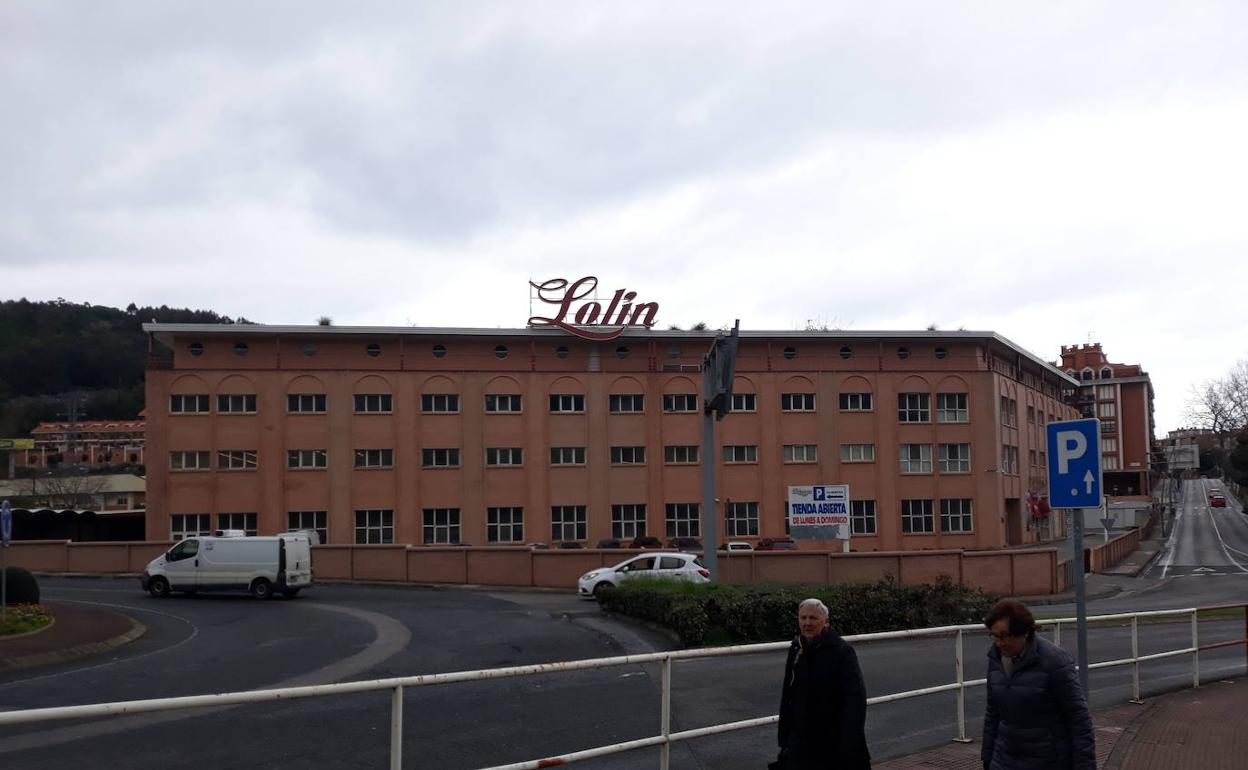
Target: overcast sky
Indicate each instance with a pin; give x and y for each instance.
(1055, 172)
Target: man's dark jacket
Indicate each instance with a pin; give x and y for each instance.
(823, 707)
(1037, 717)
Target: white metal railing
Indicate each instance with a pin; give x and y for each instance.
(666, 737)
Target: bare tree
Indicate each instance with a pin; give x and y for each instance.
(69, 490)
(1208, 407)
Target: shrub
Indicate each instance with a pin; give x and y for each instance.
(763, 612)
(23, 618)
(22, 588)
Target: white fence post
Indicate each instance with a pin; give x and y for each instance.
(1057, 633)
(1135, 659)
(1195, 651)
(665, 716)
(396, 728)
(959, 663)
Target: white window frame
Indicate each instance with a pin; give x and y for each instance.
(306, 403)
(857, 453)
(862, 517)
(740, 519)
(628, 520)
(961, 520)
(917, 512)
(567, 403)
(683, 519)
(801, 453)
(559, 455)
(314, 520)
(914, 407)
(374, 526)
(184, 525)
(202, 460)
(955, 458)
(504, 524)
(1109, 462)
(440, 532)
(953, 407)
(744, 402)
(247, 521)
(915, 458)
(439, 403)
(236, 459)
(681, 454)
(797, 402)
(856, 402)
(1109, 444)
(680, 403)
(740, 454)
(366, 459)
(373, 403)
(504, 457)
(1107, 410)
(628, 455)
(236, 403)
(626, 403)
(198, 403)
(307, 459)
(439, 457)
(503, 403)
(568, 519)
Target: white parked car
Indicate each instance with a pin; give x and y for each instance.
(681, 566)
(736, 545)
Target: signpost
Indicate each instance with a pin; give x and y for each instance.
(820, 512)
(718, 369)
(6, 535)
(1074, 456)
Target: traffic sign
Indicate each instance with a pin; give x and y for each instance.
(6, 524)
(1074, 463)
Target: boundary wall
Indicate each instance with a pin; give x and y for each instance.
(1016, 572)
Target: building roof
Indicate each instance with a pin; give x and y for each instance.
(111, 483)
(165, 333)
(89, 426)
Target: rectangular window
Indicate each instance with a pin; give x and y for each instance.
(1009, 459)
(1009, 412)
(567, 455)
(1107, 409)
(628, 455)
(307, 458)
(680, 402)
(374, 526)
(916, 458)
(862, 517)
(955, 515)
(797, 402)
(857, 453)
(801, 453)
(744, 402)
(626, 403)
(190, 461)
(374, 458)
(504, 525)
(1109, 462)
(373, 403)
(439, 458)
(244, 521)
(681, 455)
(567, 522)
(856, 402)
(1109, 426)
(436, 403)
(504, 456)
(1105, 392)
(951, 407)
(628, 521)
(184, 525)
(1044, 462)
(741, 519)
(741, 453)
(236, 459)
(305, 403)
(182, 403)
(502, 403)
(914, 407)
(317, 521)
(567, 403)
(1031, 415)
(1032, 457)
(241, 403)
(684, 520)
(955, 458)
(440, 526)
(916, 517)
(1109, 444)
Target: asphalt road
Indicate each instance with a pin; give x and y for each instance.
(344, 633)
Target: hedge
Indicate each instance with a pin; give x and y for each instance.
(21, 586)
(718, 613)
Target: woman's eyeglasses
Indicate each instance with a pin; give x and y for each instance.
(1003, 637)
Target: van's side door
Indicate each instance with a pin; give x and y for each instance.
(182, 564)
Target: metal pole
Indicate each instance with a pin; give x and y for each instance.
(1081, 604)
(1135, 659)
(1057, 633)
(665, 718)
(396, 728)
(4, 581)
(958, 664)
(1195, 652)
(709, 514)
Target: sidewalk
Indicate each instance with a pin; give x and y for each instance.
(1205, 728)
(76, 633)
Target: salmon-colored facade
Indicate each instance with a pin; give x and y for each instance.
(510, 436)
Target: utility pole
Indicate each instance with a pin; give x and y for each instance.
(718, 369)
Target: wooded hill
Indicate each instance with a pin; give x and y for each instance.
(59, 356)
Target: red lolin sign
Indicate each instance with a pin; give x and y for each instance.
(589, 320)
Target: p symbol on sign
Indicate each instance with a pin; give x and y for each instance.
(1071, 445)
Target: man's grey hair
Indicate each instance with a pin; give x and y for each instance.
(815, 603)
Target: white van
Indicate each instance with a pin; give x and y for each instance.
(260, 565)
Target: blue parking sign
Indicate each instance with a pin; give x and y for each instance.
(1074, 463)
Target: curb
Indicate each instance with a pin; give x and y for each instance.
(1107, 593)
(137, 629)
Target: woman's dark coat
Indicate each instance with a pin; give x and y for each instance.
(1037, 717)
(823, 707)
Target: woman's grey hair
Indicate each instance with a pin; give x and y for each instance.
(823, 608)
